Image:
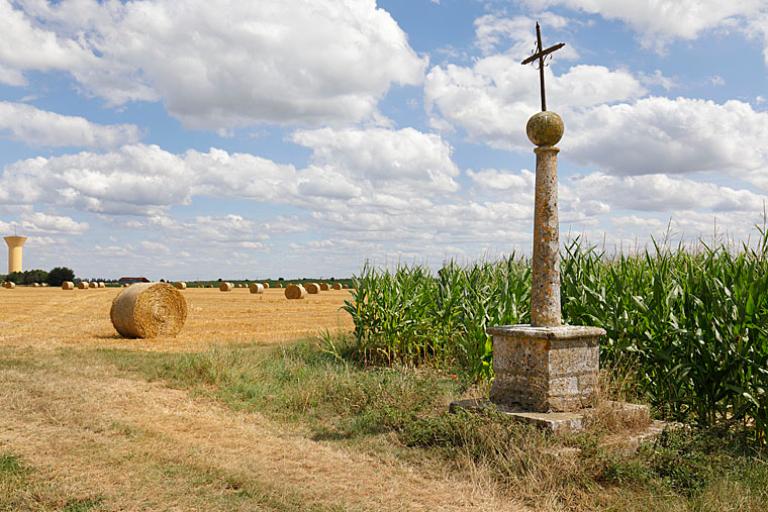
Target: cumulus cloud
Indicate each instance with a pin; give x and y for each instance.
(134, 179)
(494, 98)
(306, 61)
(659, 21)
(495, 179)
(404, 161)
(661, 193)
(43, 222)
(219, 173)
(609, 124)
(35, 127)
(674, 136)
(27, 46)
(373, 165)
(758, 28)
(597, 194)
(494, 32)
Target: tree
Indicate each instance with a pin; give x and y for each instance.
(60, 274)
(28, 276)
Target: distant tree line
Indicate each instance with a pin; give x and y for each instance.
(54, 277)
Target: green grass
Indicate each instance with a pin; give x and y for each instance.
(13, 482)
(82, 505)
(402, 412)
(10, 466)
(302, 384)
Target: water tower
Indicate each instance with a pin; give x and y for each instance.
(15, 247)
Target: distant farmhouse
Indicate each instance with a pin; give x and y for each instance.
(131, 280)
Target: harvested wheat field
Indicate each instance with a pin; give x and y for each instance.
(80, 431)
(51, 317)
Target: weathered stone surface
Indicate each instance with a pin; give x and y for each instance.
(545, 128)
(545, 265)
(545, 369)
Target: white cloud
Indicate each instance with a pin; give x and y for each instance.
(495, 179)
(659, 79)
(659, 21)
(36, 127)
(134, 179)
(493, 100)
(515, 35)
(227, 63)
(372, 166)
(608, 124)
(661, 135)
(154, 247)
(597, 194)
(404, 161)
(219, 173)
(27, 46)
(661, 193)
(758, 28)
(42, 222)
(716, 80)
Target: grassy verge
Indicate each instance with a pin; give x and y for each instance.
(401, 412)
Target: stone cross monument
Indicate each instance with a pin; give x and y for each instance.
(545, 366)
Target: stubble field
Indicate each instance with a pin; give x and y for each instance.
(50, 317)
(83, 429)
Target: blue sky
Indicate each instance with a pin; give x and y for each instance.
(186, 139)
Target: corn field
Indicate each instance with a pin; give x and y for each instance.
(691, 326)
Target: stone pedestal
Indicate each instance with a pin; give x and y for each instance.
(545, 369)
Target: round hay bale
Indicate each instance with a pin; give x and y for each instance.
(148, 310)
(93, 284)
(256, 288)
(36, 285)
(44, 285)
(83, 285)
(280, 285)
(100, 285)
(337, 286)
(180, 285)
(9, 285)
(324, 287)
(313, 288)
(67, 285)
(295, 291)
(266, 285)
(225, 287)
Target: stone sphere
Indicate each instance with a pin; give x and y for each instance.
(545, 128)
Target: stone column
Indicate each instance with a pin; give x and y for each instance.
(545, 129)
(545, 267)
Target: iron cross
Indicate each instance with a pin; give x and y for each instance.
(540, 54)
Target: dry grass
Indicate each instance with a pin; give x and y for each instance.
(87, 433)
(52, 318)
(137, 445)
